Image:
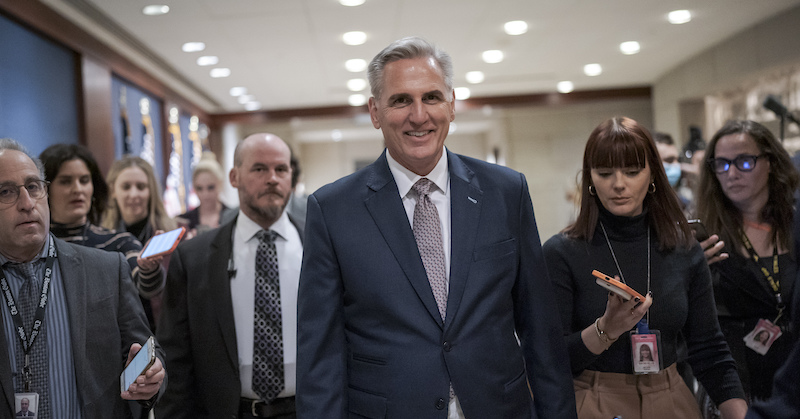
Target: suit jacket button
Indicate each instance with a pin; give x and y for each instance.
(440, 404)
(446, 346)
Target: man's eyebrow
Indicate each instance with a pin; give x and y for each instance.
(398, 96)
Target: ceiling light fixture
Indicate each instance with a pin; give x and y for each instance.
(629, 47)
(193, 46)
(356, 85)
(252, 106)
(243, 99)
(357, 100)
(516, 27)
(354, 38)
(155, 10)
(220, 72)
(355, 65)
(351, 2)
(565, 86)
(207, 60)
(677, 17)
(592, 70)
(462, 93)
(238, 91)
(475, 77)
(492, 56)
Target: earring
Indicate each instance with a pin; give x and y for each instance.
(652, 187)
(591, 190)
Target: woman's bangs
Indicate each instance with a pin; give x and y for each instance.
(623, 151)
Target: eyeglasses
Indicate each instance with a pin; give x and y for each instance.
(743, 162)
(37, 189)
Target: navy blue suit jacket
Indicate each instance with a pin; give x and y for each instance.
(371, 342)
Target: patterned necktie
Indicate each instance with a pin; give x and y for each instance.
(29, 294)
(268, 333)
(428, 233)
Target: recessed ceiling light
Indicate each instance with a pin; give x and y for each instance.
(475, 77)
(592, 70)
(677, 17)
(193, 46)
(629, 47)
(252, 106)
(516, 27)
(565, 86)
(220, 72)
(462, 93)
(354, 38)
(336, 135)
(356, 85)
(238, 91)
(207, 60)
(351, 2)
(246, 98)
(357, 99)
(155, 9)
(355, 65)
(492, 56)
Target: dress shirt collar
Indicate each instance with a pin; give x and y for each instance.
(405, 178)
(246, 228)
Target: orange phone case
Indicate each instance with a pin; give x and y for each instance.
(174, 237)
(615, 286)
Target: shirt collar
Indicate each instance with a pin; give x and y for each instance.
(405, 178)
(246, 228)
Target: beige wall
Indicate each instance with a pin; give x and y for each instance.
(763, 49)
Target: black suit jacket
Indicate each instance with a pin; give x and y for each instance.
(198, 330)
(371, 343)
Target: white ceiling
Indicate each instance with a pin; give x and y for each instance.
(289, 53)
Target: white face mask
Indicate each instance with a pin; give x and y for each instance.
(673, 173)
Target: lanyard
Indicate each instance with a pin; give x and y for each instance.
(622, 277)
(772, 278)
(38, 320)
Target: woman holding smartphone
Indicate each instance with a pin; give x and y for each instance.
(746, 197)
(630, 226)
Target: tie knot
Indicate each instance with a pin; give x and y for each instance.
(423, 187)
(266, 236)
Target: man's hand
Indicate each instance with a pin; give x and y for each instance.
(146, 385)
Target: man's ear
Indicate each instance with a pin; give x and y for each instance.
(373, 113)
(233, 177)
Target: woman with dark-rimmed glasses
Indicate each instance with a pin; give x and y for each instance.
(745, 196)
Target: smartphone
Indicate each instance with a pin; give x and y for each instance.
(143, 360)
(163, 243)
(615, 286)
(700, 232)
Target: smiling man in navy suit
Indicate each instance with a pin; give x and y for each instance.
(423, 292)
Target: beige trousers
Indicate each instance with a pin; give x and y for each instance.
(606, 395)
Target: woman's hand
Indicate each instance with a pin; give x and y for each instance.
(150, 264)
(712, 249)
(621, 316)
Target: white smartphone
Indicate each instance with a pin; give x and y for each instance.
(143, 360)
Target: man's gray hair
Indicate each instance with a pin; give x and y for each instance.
(9, 144)
(407, 48)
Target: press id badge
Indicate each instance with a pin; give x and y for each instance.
(26, 404)
(645, 350)
(762, 336)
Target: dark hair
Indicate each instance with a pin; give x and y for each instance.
(623, 142)
(663, 138)
(58, 154)
(720, 214)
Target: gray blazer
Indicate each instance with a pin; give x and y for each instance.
(105, 317)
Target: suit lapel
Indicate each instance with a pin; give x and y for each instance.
(386, 208)
(465, 209)
(71, 266)
(219, 284)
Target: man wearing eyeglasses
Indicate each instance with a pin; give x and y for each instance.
(70, 313)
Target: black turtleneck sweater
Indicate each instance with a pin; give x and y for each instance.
(683, 300)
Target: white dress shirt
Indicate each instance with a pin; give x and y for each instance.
(290, 255)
